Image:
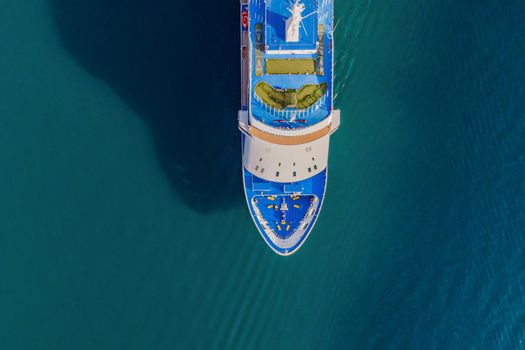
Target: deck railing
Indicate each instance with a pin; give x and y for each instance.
(293, 238)
(292, 115)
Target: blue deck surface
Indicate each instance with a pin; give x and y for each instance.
(276, 14)
(283, 222)
(272, 14)
(269, 198)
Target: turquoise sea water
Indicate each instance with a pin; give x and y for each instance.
(122, 222)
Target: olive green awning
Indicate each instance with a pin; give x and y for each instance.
(290, 66)
(280, 99)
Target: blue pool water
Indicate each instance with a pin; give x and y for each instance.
(122, 220)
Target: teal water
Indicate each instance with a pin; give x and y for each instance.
(122, 222)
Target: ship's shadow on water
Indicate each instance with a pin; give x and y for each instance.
(176, 63)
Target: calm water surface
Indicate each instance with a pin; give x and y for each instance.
(122, 222)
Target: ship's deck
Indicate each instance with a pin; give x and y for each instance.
(284, 213)
(267, 36)
(276, 14)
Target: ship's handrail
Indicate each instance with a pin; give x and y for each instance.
(290, 115)
(291, 240)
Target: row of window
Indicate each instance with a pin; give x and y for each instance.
(277, 173)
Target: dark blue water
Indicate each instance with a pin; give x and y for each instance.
(122, 222)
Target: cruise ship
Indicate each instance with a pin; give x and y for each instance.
(287, 115)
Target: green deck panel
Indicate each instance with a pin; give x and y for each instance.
(290, 66)
(280, 99)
